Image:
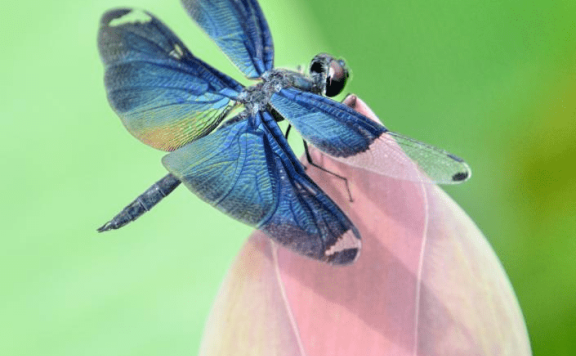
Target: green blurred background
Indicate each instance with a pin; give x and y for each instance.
(492, 81)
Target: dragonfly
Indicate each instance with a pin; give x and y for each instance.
(223, 138)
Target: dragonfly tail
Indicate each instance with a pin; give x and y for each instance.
(142, 203)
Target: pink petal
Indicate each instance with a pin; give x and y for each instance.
(426, 283)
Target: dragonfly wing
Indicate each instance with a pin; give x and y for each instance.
(164, 95)
(239, 29)
(352, 138)
(304, 211)
(241, 170)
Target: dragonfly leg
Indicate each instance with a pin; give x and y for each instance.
(309, 158)
(143, 203)
(288, 131)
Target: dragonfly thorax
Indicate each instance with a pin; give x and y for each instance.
(327, 76)
(257, 97)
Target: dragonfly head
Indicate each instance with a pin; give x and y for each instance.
(329, 74)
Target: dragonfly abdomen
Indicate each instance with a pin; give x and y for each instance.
(142, 203)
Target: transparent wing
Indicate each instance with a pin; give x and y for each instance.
(352, 138)
(164, 95)
(241, 170)
(402, 157)
(239, 28)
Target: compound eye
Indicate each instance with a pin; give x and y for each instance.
(317, 67)
(336, 77)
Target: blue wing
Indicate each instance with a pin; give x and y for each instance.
(244, 171)
(350, 137)
(164, 95)
(239, 28)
